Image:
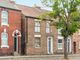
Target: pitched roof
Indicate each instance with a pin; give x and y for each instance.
(26, 10)
(8, 4)
(31, 11)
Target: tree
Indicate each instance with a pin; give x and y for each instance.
(65, 15)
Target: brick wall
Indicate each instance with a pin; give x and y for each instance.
(30, 48)
(14, 20)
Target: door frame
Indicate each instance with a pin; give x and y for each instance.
(50, 45)
(18, 36)
(74, 47)
(16, 43)
(69, 48)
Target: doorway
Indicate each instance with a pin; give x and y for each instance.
(74, 47)
(16, 42)
(69, 45)
(50, 45)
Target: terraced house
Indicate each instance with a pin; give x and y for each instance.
(21, 32)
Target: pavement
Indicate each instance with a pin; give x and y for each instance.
(40, 57)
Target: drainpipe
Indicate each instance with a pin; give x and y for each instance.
(26, 34)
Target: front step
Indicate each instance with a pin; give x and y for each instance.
(16, 54)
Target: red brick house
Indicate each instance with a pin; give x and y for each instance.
(21, 32)
(10, 28)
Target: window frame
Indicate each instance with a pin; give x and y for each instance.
(60, 44)
(4, 17)
(4, 38)
(37, 26)
(37, 42)
(48, 28)
(59, 31)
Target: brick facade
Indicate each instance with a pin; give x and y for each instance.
(21, 21)
(30, 46)
(31, 39)
(14, 21)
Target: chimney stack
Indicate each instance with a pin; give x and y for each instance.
(37, 6)
(13, 1)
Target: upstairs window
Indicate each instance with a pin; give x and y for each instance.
(37, 26)
(79, 32)
(59, 31)
(4, 17)
(48, 27)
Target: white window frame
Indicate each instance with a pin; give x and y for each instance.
(60, 44)
(38, 42)
(4, 40)
(48, 29)
(4, 17)
(37, 26)
(78, 31)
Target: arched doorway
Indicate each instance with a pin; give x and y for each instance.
(16, 37)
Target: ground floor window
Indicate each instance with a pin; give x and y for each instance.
(37, 42)
(60, 44)
(4, 39)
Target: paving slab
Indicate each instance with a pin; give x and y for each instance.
(40, 57)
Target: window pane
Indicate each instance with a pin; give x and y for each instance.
(4, 17)
(59, 46)
(59, 31)
(4, 38)
(37, 23)
(37, 29)
(4, 14)
(37, 26)
(37, 42)
(47, 24)
(60, 41)
(48, 27)
(47, 30)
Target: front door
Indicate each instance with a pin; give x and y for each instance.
(69, 45)
(50, 45)
(74, 47)
(16, 43)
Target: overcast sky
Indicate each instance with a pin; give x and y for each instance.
(31, 3)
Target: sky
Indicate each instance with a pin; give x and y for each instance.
(31, 3)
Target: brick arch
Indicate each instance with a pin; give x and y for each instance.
(16, 31)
